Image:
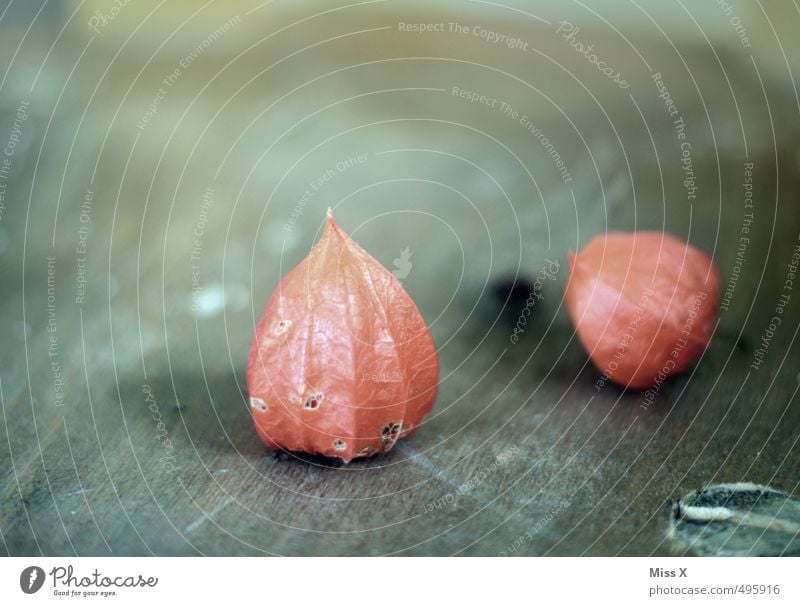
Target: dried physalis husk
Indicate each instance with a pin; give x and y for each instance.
(342, 363)
(643, 304)
(736, 520)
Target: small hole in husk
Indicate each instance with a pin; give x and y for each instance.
(258, 404)
(313, 401)
(282, 326)
(389, 434)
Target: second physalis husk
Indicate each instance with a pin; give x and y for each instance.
(342, 362)
(643, 304)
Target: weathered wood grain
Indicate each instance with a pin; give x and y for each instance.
(476, 197)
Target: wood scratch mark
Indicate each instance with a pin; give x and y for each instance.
(424, 462)
(208, 515)
(492, 505)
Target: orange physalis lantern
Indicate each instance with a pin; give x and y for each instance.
(643, 305)
(342, 363)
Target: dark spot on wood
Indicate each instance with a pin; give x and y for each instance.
(513, 289)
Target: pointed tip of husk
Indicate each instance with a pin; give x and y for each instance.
(330, 222)
(331, 226)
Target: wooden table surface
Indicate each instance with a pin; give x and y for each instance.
(125, 428)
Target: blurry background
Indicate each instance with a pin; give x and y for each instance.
(164, 163)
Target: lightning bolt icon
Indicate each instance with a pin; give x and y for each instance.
(32, 578)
